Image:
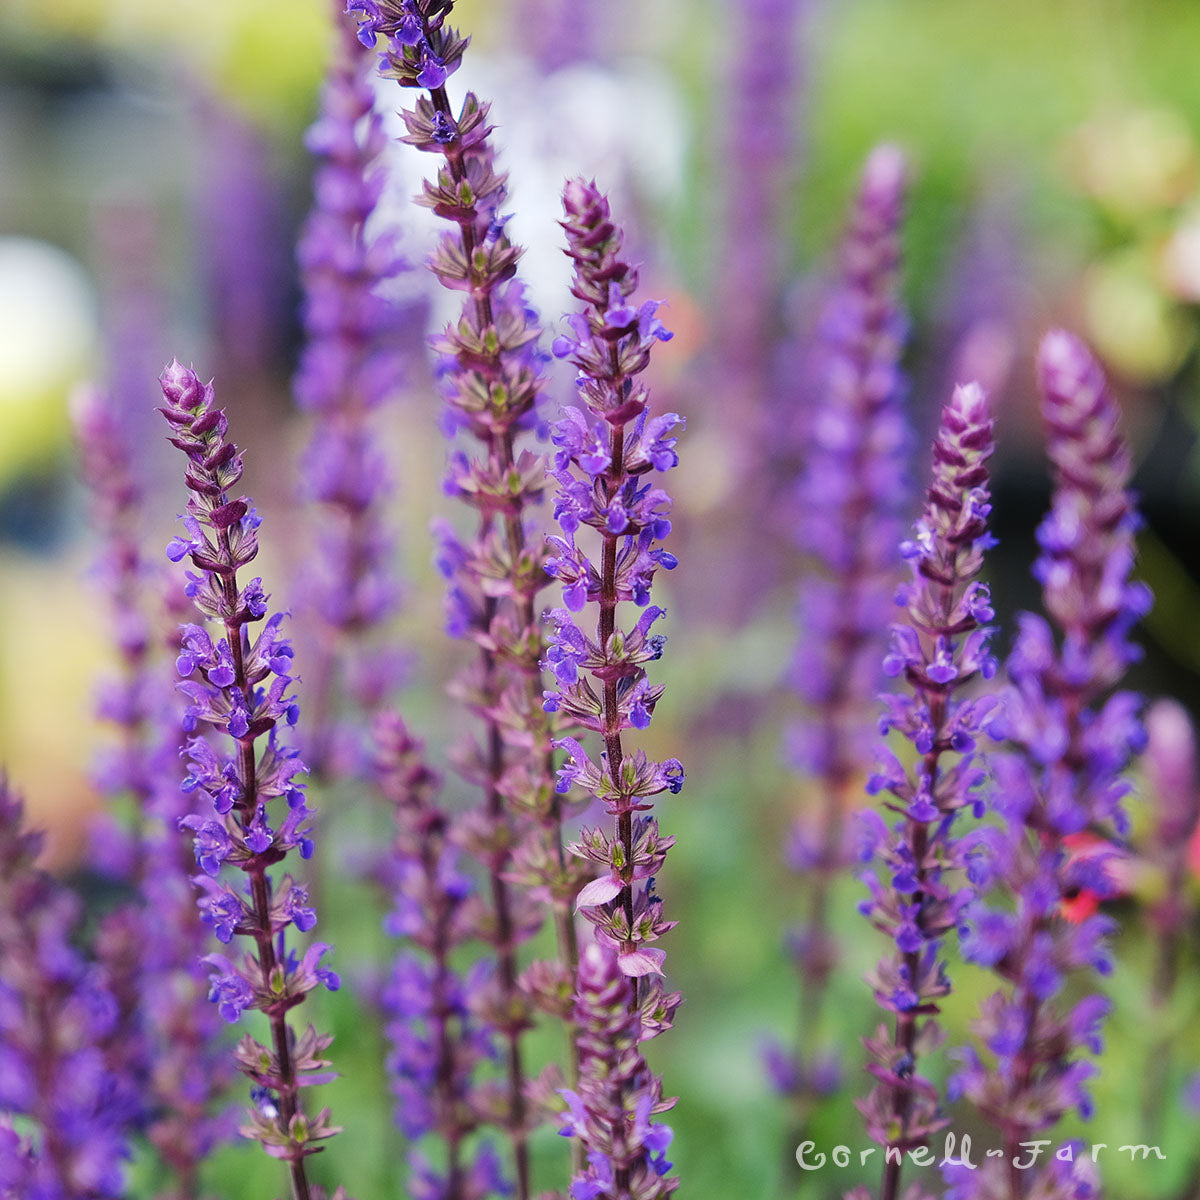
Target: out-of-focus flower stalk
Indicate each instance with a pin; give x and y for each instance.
(938, 650)
(1174, 794)
(759, 146)
(760, 158)
(1069, 739)
(239, 687)
(436, 1042)
(1174, 790)
(557, 33)
(852, 494)
(351, 364)
(58, 1016)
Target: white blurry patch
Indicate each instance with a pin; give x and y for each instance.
(47, 316)
(48, 333)
(624, 126)
(1180, 260)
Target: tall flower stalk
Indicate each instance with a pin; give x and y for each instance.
(852, 493)
(436, 1042)
(1069, 738)
(491, 376)
(238, 686)
(607, 450)
(171, 1057)
(761, 151)
(610, 1113)
(1173, 787)
(939, 649)
(350, 366)
(57, 1018)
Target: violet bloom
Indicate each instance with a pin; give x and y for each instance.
(129, 699)
(491, 375)
(1069, 738)
(241, 226)
(239, 686)
(939, 649)
(560, 33)
(57, 1018)
(852, 492)
(761, 151)
(610, 1112)
(436, 1043)
(152, 945)
(608, 453)
(351, 363)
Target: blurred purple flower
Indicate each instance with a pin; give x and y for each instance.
(1068, 738)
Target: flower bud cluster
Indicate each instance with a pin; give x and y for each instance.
(1068, 738)
(420, 49)
(939, 649)
(238, 686)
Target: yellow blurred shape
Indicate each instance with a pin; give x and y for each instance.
(1135, 162)
(1136, 327)
(50, 658)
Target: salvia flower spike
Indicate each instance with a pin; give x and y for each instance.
(852, 492)
(609, 451)
(172, 1059)
(939, 648)
(1068, 738)
(59, 1016)
(351, 365)
(436, 1042)
(610, 1112)
(249, 808)
(491, 373)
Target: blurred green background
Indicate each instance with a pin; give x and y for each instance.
(1068, 132)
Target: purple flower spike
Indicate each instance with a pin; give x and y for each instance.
(610, 1112)
(58, 1018)
(351, 365)
(938, 650)
(436, 1040)
(852, 493)
(602, 676)
(151, 946)
(491, 372)
(237, 776)
(601, 670)
(1067, 739)
(1174, 788)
